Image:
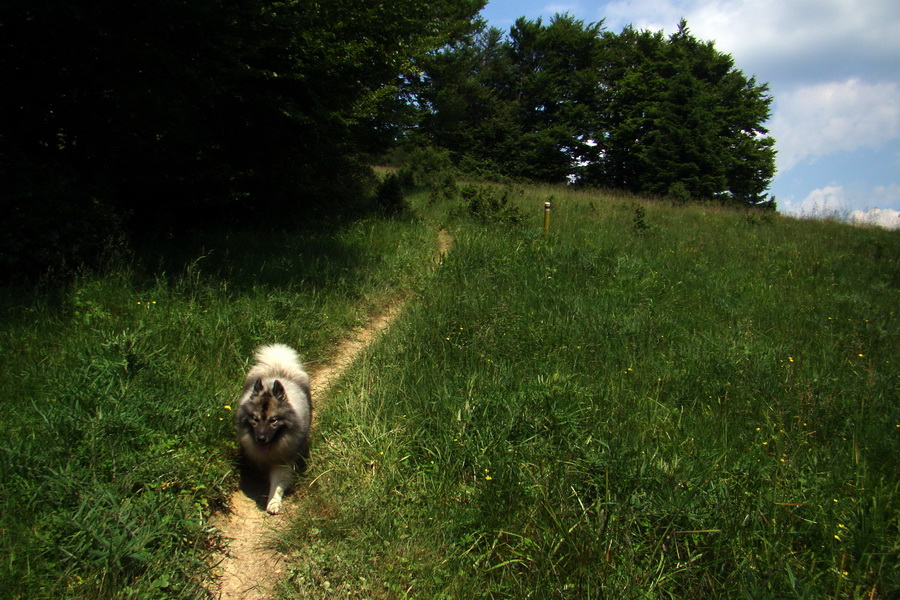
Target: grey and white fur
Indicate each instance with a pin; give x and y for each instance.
(273, 417)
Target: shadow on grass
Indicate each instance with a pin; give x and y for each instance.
(255, 485)
(252, 257)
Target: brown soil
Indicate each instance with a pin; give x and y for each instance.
(250, 566)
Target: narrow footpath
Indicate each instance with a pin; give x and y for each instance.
(249, 568)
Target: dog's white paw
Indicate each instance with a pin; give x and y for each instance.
(274, 507)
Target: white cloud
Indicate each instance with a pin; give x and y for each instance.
(832, 68)
(832, 64)
(562, 8)
(765, 36)
(887, 195)
(823, 36)
(643, 14)
(829, 201)
(835, 202)
(816, 120)
(881, 217)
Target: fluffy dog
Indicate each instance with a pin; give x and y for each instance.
(273, 417)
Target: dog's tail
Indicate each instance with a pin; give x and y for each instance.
(279, 360)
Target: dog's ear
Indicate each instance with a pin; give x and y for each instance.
(258, 386)
(278, 391)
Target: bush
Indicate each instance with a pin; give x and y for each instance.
(51, 223)
(489, 206)
(430, 165)
(679, 193)
(389, 196)
(638, 223)
(443, 187)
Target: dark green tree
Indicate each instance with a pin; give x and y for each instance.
(177, 113)
(637, 110)
(462, 90)
(680, 120)
(554, 90)
(516, 105)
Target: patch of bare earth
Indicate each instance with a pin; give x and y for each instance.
(249, 567)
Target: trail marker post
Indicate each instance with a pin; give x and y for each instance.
(546, 218)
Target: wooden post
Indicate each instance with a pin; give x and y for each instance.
(546, 218)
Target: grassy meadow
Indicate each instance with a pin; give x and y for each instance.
(118, 439)
(651, 402)
(654, 402)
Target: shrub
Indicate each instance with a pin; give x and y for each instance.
(638, 223)
(443, 187)
(679, 193)
(490, 206)
(52, 224)
(389, 196)
(430, 165)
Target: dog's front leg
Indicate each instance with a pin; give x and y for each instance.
(279, 480)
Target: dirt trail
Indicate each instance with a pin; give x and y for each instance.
(250, 567)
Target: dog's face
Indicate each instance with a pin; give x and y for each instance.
(265, 415)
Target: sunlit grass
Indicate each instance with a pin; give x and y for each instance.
(117, 405)
(705, 406)
(649, 402)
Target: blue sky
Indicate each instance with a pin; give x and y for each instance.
(833, 67)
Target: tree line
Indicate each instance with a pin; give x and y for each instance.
(148, 114)
(636, 110)
(118, 117)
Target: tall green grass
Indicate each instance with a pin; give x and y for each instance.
(652, 402)
(118, 442)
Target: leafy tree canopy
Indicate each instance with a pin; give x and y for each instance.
(635, 110)
(169, 112)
